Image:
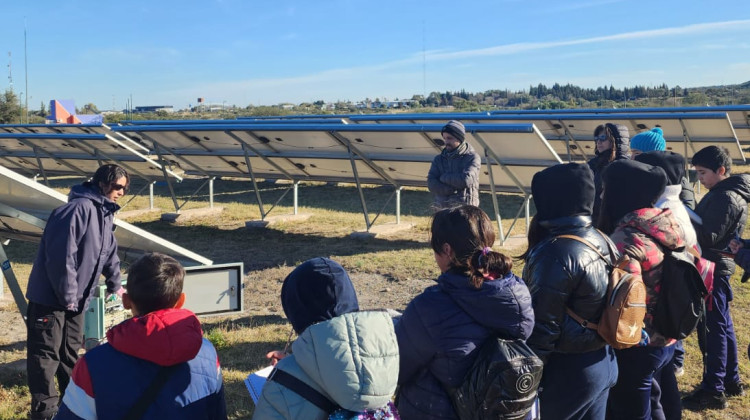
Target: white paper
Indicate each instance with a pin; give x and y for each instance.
(255, 381)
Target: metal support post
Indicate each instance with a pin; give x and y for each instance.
(296, 197)
(398, 205)
(151, 195)
(211, 192)
(15, 289)
(528, 220)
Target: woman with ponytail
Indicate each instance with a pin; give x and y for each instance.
(476, 297)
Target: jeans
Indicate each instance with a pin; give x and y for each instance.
(631, 398)
(576, 385)
(720, 345)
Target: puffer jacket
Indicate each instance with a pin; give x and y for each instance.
(352, 359)
(670, 199)
(454, 177)
(110, 378)
(600, 162)
(645, 233)
(78, 245)
(440, 331)
(565, 273)
(723, 211)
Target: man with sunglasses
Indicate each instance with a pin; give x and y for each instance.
(78, 246)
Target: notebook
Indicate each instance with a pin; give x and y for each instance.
(255, 381)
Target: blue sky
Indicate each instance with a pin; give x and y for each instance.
(269, 52)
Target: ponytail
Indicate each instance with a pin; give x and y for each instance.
(486, 264)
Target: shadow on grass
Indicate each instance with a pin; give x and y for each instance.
(264, 248)
(335, 197)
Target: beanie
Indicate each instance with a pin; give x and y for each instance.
(317, 290)
(672, 163)
(563, 190)
(649, 140)
(631, 185)
(455, 129)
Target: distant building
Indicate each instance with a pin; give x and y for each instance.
(64, 112)
(152, 108)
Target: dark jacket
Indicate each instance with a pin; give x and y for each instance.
(110, 378)
(565, 273)
(600, 162)
(440, 331)
(454, 177)
(724, 213)
(78, 245)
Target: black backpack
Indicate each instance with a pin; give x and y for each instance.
(681, 297)
(501, 383)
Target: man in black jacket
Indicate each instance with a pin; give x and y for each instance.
(723, 213)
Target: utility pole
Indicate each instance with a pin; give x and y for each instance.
(26, 74)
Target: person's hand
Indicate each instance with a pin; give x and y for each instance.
(72, 307)
(117, 294)
(735, 245)
(743, 258)
(275, 356)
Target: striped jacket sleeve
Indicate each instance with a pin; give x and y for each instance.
(78, 402)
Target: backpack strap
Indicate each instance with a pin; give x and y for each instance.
(303, 390)
(148, 397)
(610, 263)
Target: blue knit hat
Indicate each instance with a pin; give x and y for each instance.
(648, 141)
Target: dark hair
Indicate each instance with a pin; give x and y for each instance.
(713, 157)
(107, 174)
(536, 234)
(155, 282)
(610, 136)
(468, 230)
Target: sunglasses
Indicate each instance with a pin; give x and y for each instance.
(118, 187)
(601, 138)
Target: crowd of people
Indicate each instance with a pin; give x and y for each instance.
(633, 198)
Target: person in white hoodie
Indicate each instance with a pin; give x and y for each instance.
(674, 165)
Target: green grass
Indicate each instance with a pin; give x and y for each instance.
(387, 271)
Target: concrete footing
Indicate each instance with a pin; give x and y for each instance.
(272, 220)
(512, 243)
(186, 215)
(382, 231)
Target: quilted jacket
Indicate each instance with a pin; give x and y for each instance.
(454, 177)
(352, 359)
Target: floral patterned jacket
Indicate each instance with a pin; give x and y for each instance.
(643, 234)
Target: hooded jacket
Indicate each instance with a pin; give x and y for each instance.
(440, 331)
(670, 199)
(78, 245)
(723, 211)
(352, 359)
(454, 177)
(599, 162)
(109, 379)
(564, 273)
(645, 233)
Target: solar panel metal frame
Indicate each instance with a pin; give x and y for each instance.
(208, 145)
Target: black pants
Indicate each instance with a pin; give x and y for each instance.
(53, 340)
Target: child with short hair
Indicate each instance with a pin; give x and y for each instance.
(156, 365)
(723, 211)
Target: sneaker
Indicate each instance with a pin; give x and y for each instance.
(678, 371)
(702, 399)
(735, 389)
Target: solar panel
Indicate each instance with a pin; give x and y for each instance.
(571, 134)
(73, 154)
(27, 205)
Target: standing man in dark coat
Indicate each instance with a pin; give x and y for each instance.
(454, 174)
(78, 246)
